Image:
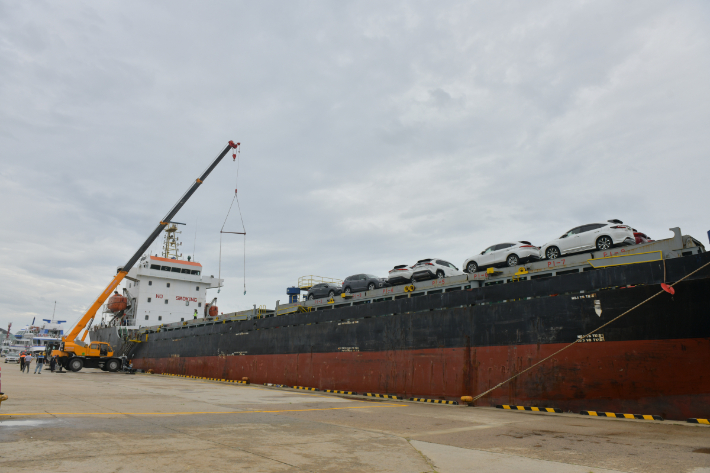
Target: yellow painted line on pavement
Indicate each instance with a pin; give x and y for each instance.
(250, 386)
(193, 413)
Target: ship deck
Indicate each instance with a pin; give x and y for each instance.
(149, 422)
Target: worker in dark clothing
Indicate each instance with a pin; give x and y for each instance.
(53, 364)
(40, 363)
(22, 361)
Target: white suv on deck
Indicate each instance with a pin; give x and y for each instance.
(400, 274)
(503, 254)
(431, 268)
(593, 236)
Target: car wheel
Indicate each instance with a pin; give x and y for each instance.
(76, 364)
(552, 252)
(347, 290)
(331, 294)
(512, 260)
(440, 274)
(310, 297)
(604, 243)
(371, 286)
(471, 267)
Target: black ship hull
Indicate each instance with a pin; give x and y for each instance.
(651, 361)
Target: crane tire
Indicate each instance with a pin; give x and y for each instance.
(75, 364)
(113, 365)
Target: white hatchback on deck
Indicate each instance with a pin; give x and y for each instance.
(503, 254)
(593, 236)
(431, 268)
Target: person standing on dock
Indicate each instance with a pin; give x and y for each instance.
(40, 363)
(28, 362)
(22, 361)
(53, 363)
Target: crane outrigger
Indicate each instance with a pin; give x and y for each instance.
(73, 354)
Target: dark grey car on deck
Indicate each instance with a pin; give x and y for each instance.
(323, 290)
(363, 282)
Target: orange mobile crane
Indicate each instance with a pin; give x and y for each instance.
(72, 353)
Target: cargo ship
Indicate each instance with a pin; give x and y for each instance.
(461, 336)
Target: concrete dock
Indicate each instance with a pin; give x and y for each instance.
(109, 422)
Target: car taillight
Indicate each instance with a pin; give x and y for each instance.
(528, 246)
(621, 226)
(429, 264)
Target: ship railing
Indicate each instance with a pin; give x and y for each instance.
(307, 282)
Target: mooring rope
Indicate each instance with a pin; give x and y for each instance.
(585, 336)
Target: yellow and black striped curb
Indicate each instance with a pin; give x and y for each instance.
(385, 396)
(435, 401)
(699, 421)
(529, 408)
(339, 392)
(239, 381)
(307, 389)
(621, 416)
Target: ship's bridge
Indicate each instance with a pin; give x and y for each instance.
(158, 263)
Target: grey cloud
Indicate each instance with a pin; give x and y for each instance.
(372, 134)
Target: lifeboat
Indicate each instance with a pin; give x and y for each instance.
(117, 303)
(213, 311)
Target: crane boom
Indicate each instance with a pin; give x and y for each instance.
(91, 312)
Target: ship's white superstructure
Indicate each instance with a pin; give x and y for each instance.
(161, 289)
(165, 290)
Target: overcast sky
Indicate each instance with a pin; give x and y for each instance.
(373, 134)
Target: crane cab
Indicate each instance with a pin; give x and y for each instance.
(99, 349)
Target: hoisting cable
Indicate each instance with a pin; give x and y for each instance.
(666, 288)
(235, 157)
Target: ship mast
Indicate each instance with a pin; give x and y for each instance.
(171, 243)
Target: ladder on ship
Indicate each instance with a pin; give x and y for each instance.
(128, 342)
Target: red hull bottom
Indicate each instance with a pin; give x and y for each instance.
(663, 377)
